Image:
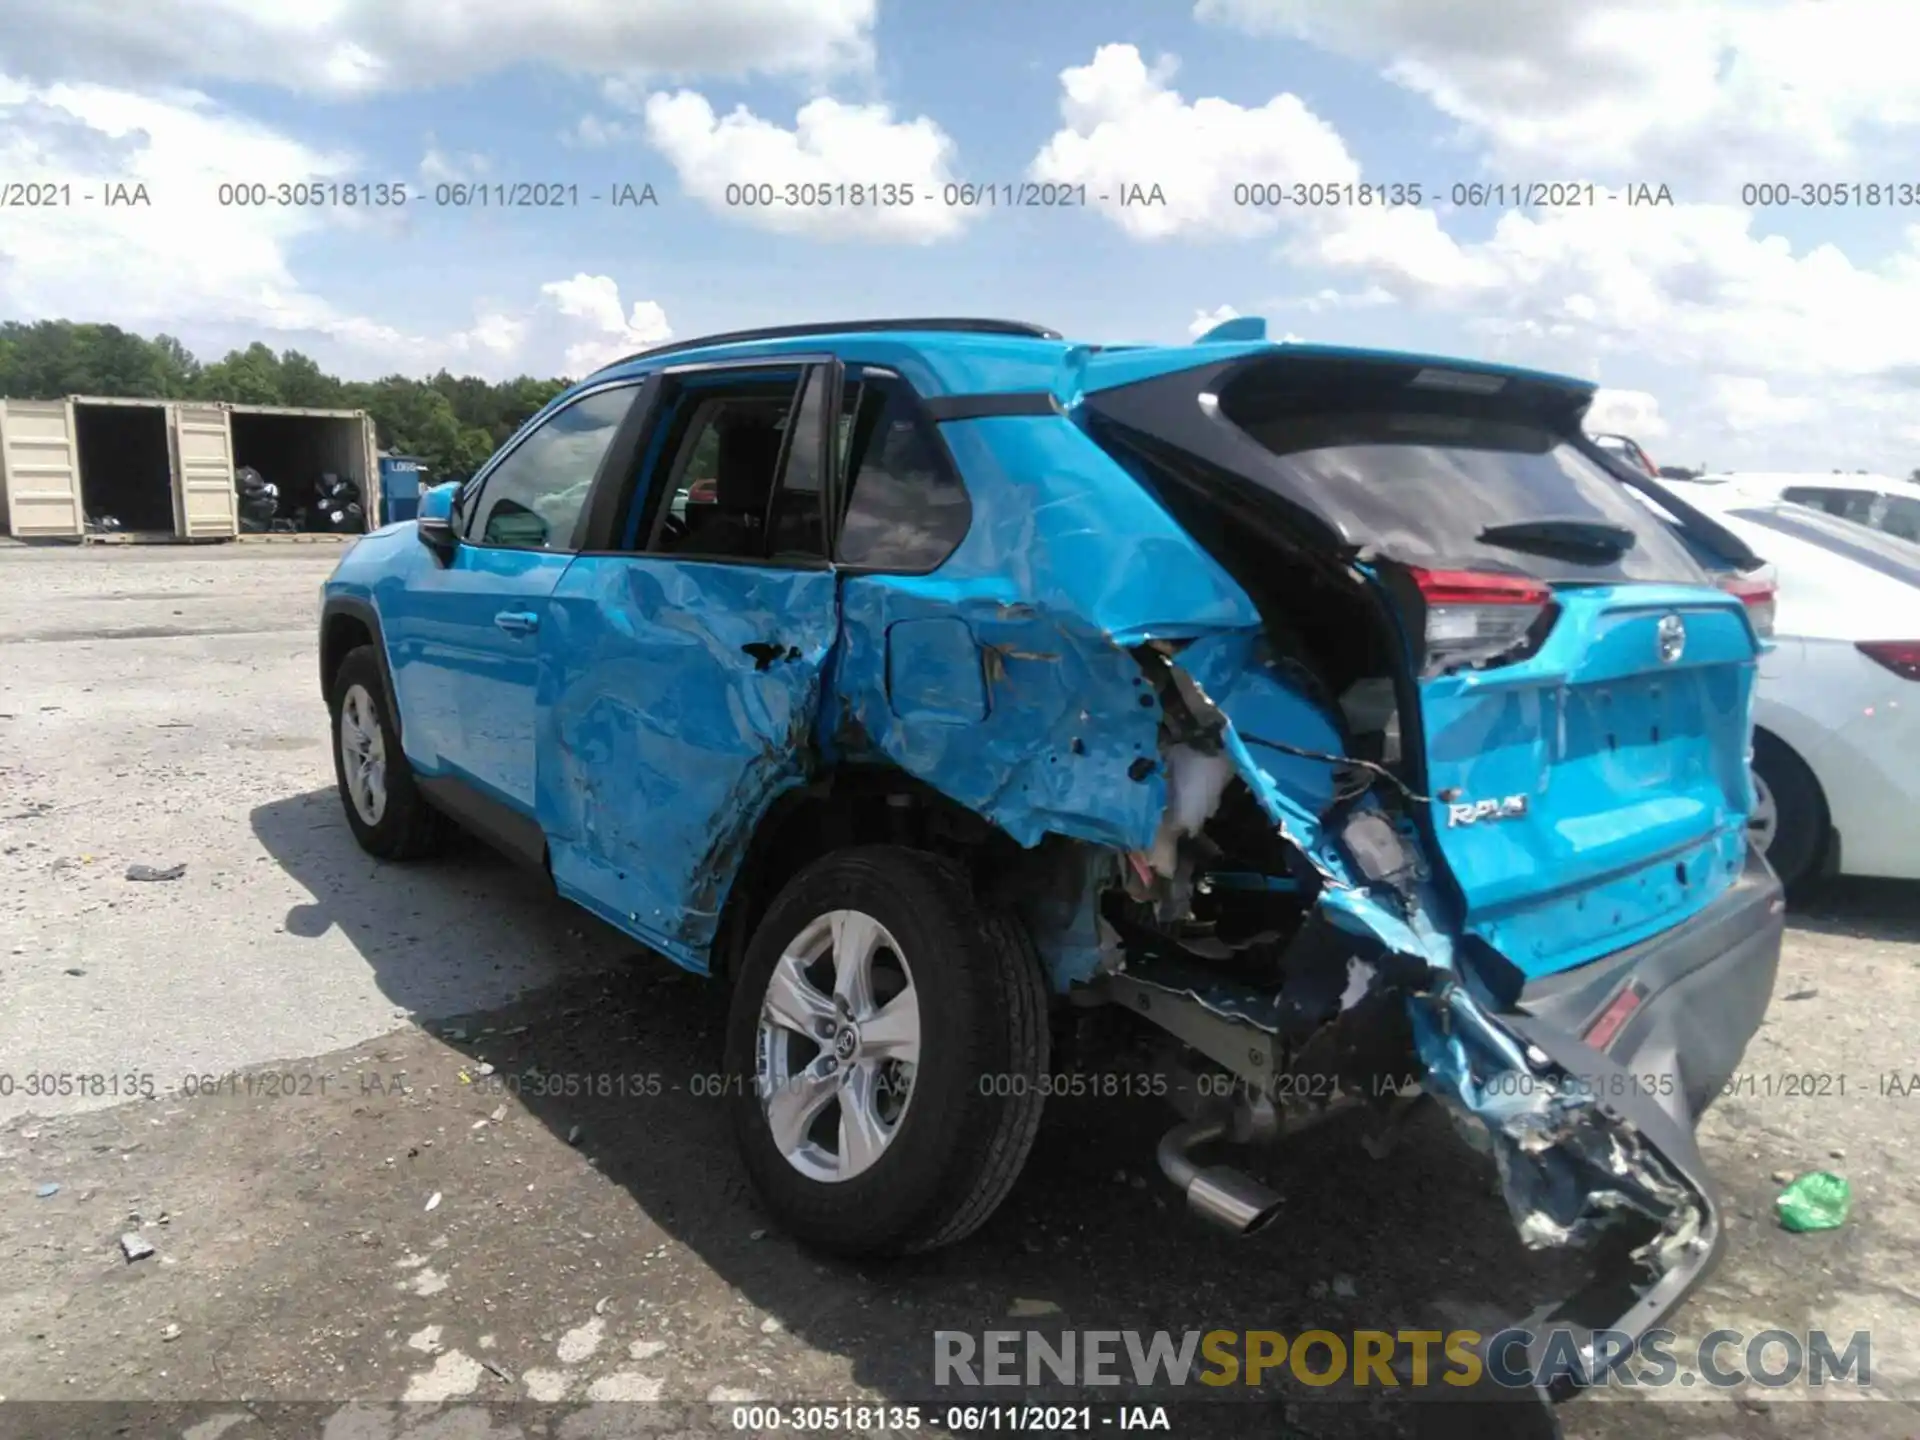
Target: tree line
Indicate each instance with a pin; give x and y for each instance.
(453, 422)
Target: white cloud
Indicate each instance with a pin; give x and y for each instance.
(1205, 320)
(1626, 412)
(594, 302)
(594, 132)
(1711, 93)
(835, 153)
(185, 256)
(1749, 402)
(1784, 355)
(1126, 126)
(217, 274)
(573, 327)
(1695, 285)
(1371, 298)
(440, 166)
(358, 47)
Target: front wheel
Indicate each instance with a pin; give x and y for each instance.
(385, 809)
(887, 1040)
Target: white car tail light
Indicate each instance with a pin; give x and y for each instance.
(1900, 656)
(1474, 617)
(1759, 596)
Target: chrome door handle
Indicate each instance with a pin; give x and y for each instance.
(517, 622)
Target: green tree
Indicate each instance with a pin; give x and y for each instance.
(453, 422)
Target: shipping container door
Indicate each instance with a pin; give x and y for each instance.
(41, 468)
(203, 502)
(371, 496)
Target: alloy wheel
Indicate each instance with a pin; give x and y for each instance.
(363, 754)
(837, 1046)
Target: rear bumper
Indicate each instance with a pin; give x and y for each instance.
(1702, 990)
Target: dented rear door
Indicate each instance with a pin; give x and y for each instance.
(682, 696)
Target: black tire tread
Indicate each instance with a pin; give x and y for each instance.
(1800, 808)
(1029, 1037)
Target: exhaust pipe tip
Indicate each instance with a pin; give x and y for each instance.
(1232, 1200)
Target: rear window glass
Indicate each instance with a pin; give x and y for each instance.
(1426, 486)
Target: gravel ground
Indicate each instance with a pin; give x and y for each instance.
(459, 1173)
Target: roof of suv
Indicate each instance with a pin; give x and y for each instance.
(970, 356)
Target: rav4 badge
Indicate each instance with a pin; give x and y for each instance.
(1472, 812)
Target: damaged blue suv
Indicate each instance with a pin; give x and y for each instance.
(1316, 716)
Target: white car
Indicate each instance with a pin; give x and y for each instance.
(1878, 501)
(1837, 711)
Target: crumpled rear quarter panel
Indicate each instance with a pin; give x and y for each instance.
(1034, 714)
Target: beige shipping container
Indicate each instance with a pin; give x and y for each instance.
(201, 451)
(294, 447)
(164, 468)
(39, 470)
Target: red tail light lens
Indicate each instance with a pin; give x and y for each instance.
(1474, 617)
(1900, 656)
(1759, 597)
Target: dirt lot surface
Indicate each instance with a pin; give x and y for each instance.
(428, 1153)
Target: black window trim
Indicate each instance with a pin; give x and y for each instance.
(943, 455)
(474, 491)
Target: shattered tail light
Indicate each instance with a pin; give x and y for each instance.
(1759, 597)
(1474, 617)
(1900, 656)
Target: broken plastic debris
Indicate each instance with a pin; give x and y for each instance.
(48, 1190)
(433, 1201)
(1818, 1200)
(154, 872)
(133, 1247)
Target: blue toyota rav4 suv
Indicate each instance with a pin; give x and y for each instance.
(1313, 715)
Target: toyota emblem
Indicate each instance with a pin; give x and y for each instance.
(1671, 639)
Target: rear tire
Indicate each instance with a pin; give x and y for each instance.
(930, 1160)
(1800, 822)
(385, 809)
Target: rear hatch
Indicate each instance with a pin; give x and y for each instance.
(1582, 689)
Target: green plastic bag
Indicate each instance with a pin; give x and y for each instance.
(1818, 1200)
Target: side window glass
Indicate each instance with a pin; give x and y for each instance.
(907, 509)
(721, 470)
(1902, 518)
(532, 498)
(745, 476)
(1834, 502)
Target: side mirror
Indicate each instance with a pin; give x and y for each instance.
(434, 521)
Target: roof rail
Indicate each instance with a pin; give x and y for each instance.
(947, 324)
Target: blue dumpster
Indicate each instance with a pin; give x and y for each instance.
(401, 477)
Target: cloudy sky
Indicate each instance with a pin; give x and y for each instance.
(1782, 335)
